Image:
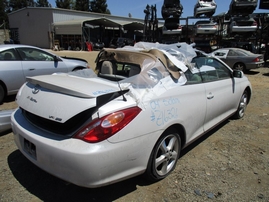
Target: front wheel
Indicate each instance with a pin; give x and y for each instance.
(164, 156)
(242, 106)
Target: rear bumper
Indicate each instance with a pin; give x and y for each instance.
(76, 161)
(172, 32)
(203, 10)
(255, 65)
(206, 31)
(5, 121)
(243, 29)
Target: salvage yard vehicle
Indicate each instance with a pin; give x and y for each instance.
(242, 7)
(19, 61)
(171, 8)
(243, 25)
(239, 59)
(205, 7)
(205, 27)
(172, 27)
(132, 117)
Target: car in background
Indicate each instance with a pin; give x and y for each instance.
(171, 8)
(243, 24)
(205, 27)
(177, 30)
(172, 27)
(205, 7)
(5, 123)
(97, 44)
(131, 118)
(20, 61)
(239, 59)
(119, 42)
(242, 7)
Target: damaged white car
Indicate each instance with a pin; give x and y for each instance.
(133, 116)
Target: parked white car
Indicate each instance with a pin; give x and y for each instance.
(145, 105)
(19, 61)
(205, 7)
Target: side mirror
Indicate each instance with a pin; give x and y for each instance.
(237, 73)
(55, 58)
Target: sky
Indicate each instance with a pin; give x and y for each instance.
(136, 7)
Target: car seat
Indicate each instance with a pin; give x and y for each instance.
(107, 68)
(7, 56)
(134, 70)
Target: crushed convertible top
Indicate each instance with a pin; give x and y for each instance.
(162, 67)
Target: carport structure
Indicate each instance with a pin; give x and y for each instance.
(75, 32)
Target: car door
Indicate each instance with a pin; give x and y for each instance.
(11, 73)
(38, 62)
(232, 58)
(193, 106)
(221, 92)
(221, 54)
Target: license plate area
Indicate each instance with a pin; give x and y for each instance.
(30, 148)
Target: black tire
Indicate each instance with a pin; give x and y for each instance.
(164, 156)
(240, 66)
(2, 94)
(240, 112)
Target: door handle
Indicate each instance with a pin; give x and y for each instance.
(210, 96)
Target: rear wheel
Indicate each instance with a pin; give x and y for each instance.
(242, 106)
(164, 156)
(240, 66)
(2, 94)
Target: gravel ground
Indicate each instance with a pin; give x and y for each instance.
(230, 163)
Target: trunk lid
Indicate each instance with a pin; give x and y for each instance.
(59, 97)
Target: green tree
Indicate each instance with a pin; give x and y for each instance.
(99, 6)
(82, 5)
(42, 3)
(3, 14)
(65, 4)
(19, 4)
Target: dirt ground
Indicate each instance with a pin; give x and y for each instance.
(230, 163)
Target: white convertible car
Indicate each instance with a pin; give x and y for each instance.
(134, 115)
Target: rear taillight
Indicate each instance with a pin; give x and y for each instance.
(103, 128)
(256, 60)
(254, 23)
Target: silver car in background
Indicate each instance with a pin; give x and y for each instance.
(243, 24)
(20, 61)
(239, 59)
(205, 7)
(205, 27)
